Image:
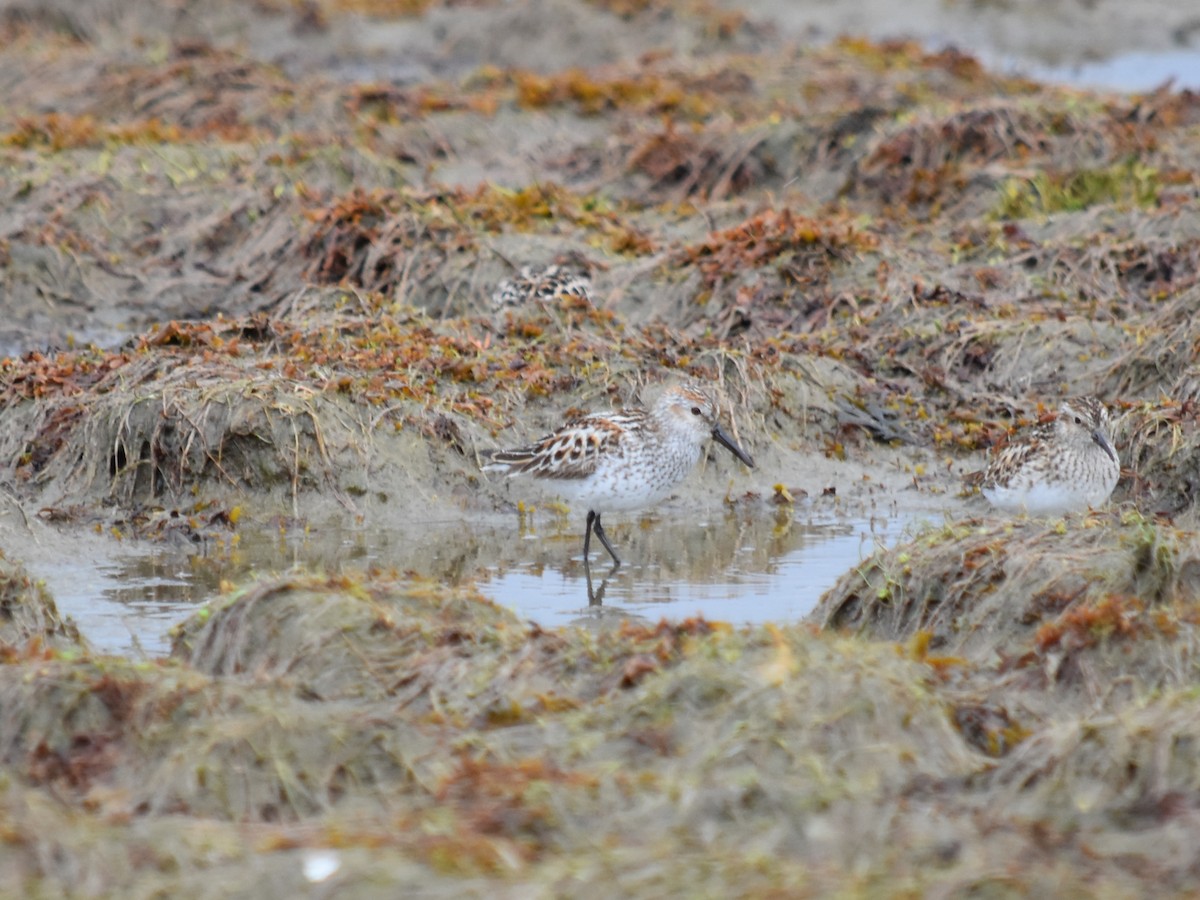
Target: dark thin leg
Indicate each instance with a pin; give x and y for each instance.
(587, 536)
(596, 598)
(599, 529)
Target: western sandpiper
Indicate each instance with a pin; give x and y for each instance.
(542, 283)
(1065, 465)
(625, 460)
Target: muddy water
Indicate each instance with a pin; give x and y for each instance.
(749, 566)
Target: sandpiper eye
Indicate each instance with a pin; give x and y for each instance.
(695, 410)
(1079, 420)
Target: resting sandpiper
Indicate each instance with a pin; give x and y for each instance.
(625, 460)
(542, 283)
(1065, 465)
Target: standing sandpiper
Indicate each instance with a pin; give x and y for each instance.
(624, 460)
(1065, 465)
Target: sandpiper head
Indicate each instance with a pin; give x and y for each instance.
(693, 410)
(1084, 423)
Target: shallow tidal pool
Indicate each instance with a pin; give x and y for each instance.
(726, 565)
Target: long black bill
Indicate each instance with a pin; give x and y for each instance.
(726, 441)
(1099, 438)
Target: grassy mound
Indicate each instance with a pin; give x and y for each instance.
(28, 614)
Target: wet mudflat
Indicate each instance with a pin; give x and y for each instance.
(267, 629)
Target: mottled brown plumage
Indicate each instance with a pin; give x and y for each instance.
(1060, 466)
(542, 283)
(622, 460)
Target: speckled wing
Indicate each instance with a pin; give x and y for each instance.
(1012, 458)
(572, 452)
(545, 284)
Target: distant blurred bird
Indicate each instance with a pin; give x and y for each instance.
(543, 283)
